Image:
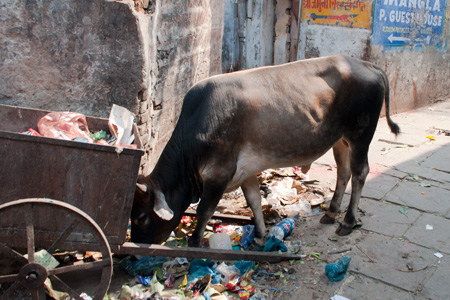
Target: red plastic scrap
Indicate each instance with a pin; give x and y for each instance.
(64, 125)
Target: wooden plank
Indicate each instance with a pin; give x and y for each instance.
(225, 217)
(190, 252)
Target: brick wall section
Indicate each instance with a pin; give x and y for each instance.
(188, 49)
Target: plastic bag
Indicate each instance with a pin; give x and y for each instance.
(200, 273)
(121, 125)
(336, 271)
(228, 272)
(143, 266)
(64, 125)
(248, 236)
(243, 265)
(273, 244)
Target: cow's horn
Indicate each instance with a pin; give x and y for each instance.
(142, 187)
(161, 207)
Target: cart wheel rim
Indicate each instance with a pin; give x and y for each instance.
(33, 275)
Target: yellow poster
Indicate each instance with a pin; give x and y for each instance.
(345, 13)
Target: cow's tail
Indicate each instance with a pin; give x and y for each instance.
(392, 125)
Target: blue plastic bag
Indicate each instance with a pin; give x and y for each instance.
(248, 236)
(336, 271)
(273, 244)
(198, 263)
(143, 266)
(243, 265)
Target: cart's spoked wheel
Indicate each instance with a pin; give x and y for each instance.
(28, 230)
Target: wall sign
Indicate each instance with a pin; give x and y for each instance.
(408, 22)
(345, 13)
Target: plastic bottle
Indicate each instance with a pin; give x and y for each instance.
(282, 229)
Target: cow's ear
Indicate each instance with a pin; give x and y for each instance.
(161, 208)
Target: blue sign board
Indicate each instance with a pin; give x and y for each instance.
(408, 22)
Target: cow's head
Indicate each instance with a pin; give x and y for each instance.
(152, 219)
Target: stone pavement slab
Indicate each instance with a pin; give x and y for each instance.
(438, 238)
(364, 288)
(378, 185)
(385, 218)
(438, 286)
(417, 195)
(439, 160)
(393, 261)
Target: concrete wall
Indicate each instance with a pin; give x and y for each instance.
(79, 55)
(85, 55)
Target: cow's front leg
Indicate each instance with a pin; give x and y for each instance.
(341, 155)
(360, 170)
(212, 192)
(250, 187)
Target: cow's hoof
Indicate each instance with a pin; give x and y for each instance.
(326, 219)
(259, 241)
(344, 229)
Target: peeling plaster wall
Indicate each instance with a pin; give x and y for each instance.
(319, 40)
(416, 79)
(282, 41)
(259, 33)
(230, 41)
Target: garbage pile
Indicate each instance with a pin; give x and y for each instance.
(164, 278)
(284, 194)
(167, 278)
(197, 279)
(72, 126)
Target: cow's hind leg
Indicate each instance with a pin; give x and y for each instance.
(250, 187)
(212, 192)
(360, 169)
(341, 155)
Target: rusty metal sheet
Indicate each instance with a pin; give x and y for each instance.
(94, 178)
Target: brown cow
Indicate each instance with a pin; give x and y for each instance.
(235, 125)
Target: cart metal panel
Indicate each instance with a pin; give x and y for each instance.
(94, 178)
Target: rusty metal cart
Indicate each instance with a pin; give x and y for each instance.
(57, 194)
